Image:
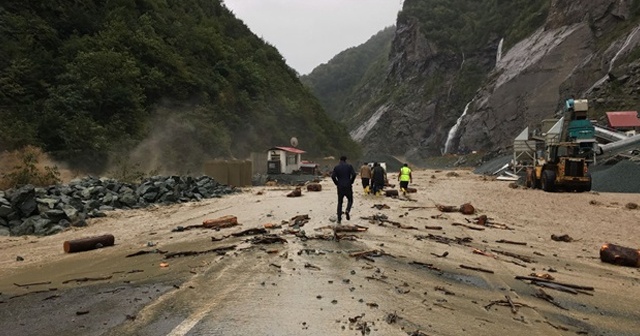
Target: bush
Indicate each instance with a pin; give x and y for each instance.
(28, 170)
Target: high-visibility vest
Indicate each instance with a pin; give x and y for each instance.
(404, 174)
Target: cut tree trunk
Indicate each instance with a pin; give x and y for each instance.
(90, 243)
(620, 255)
(222, 222)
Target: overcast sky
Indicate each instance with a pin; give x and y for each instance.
(310, 32)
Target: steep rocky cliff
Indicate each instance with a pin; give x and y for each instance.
(570, 55)
(454, 89)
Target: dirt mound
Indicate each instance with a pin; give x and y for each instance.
(622, 177)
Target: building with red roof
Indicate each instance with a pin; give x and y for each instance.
(284, 160)
(624, 120)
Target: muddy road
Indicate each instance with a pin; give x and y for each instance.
(402, 276)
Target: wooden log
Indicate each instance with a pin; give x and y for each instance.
(467, 209)
(447, 208)
(295, 193)
(412, 190)
(589, 288)
(89, 243)
(391, 193)
(471, 227)
(314, 187)
(222, 222)
(477, 269)
(620, 255)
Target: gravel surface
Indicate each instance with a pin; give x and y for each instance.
(622, 177)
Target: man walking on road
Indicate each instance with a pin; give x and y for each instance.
(405, 177)
(378, 179)
(365, 175)
(343, 177)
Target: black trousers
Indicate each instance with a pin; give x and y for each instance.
(344, 192)
(365, 182)
(404, 184)
(375, 187)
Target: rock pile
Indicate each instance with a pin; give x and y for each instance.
(46, 211)
(623, 177)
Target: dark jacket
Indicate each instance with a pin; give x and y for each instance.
(378, 175)
(343, 174)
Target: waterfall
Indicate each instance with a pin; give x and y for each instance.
(499, 53)
(454, 130)
(622, 49)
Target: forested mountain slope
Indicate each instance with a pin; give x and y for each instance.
(182, 81)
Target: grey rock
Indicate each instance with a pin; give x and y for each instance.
(64, 223)
(49, 202)
(24, 199)
(25, 227)
(40, 225)
(55, 215)
(4, 231)
(106, 208)
(5, 211)
(128, 198)
(57, 228)
(71, 213)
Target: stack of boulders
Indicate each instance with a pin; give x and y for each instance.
(44, 211)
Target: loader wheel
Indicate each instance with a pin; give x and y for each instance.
(548, 180)
(587, 187)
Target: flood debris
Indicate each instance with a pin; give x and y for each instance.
(267, 239)
(478, 269)
(564, 284)
(425, 265)
(299, 220)
(218, 250)
(272, 226)
(514, 255)
(546, 276)
(445, 240)
(484, 253)
(221, 222)
(89, 243)
(465, 209)
(411, 208)
(297, 192)
(32, 284)
(471, 227)
(444, 290)
(433, 227)
(350, 228)
(34, 292)
(367, 255)
(541, 294)
(311, 266)
(143, 252)
(391, 318)
(562, 238)
(443, 255)
(620, 255)
(314, 187)
(86, 279)
(483, 220)
(381, 206)
(391, 193)
(503, 241)
(250, 232)
(507, 303)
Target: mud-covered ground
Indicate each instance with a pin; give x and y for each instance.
(414, 280)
